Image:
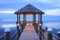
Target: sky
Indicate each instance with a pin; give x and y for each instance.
(50, 7)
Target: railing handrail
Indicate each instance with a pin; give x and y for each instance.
(2, 35)
(13, 34)
(55, 36)
(15, 38)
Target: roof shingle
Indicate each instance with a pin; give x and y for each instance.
(29, 8)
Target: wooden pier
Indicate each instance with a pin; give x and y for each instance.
(33, 11)
(29, 34)
(33, 32)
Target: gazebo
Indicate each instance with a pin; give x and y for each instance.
(30, 10)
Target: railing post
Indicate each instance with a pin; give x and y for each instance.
(59, 35)
(18, 32)
(22, 27)
(36, 27)
(46, 28)
(7, 34)
(40, 32)
(49, 34)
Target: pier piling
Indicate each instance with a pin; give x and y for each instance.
(49, 34)
(7, 34)
(59, 35)
(18, 32)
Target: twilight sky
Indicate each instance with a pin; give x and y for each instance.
(50, 7)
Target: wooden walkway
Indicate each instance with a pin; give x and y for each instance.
(29, 34)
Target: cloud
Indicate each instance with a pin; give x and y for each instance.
(30, 1)
(42, 1)
(45, 1)
(55, 12)
(8, 25)
(7, 11)
(8, 1)
(18, 3)
(53, 25)
(51, 2)
(9, 20)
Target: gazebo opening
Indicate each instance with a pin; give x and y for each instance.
(29, 10)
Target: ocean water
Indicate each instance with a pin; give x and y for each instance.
(12, 31)
(55, 26)
(12, 25)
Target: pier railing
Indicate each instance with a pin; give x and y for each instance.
(52, 36)
(55, 36)
(14, 36)
(1, 37)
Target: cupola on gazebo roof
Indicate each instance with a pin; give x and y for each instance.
(29, 9)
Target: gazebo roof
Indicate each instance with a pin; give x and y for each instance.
(29, 8)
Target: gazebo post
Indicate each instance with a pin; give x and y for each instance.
(40, 20)
(24, 19)
(18, 18)
(17, 27)
(40, 26)
(34, 19)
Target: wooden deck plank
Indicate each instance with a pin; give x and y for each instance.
(45, 36)
(29, 34)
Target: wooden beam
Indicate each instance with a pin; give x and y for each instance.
(34, 18)
(40, 26)
(18, 18)
(24, 18)
(40, 18)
